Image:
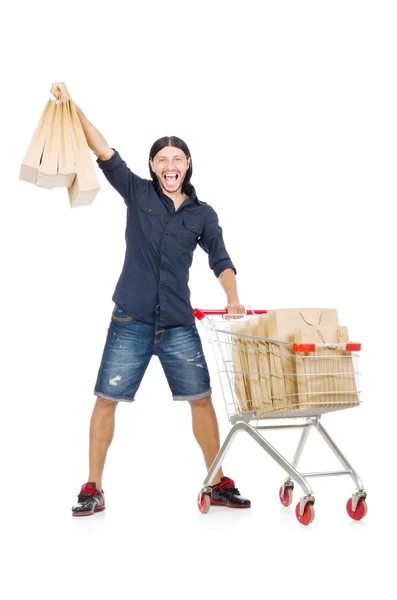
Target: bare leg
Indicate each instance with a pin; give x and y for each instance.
(206, 432)
(101, 435)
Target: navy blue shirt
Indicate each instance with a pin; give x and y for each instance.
(159, 247)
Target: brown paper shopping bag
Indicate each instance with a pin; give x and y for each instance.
(48, 170)
(282, 324)
(258, 363)
(325, 377)
(32, 159)
(240, 365)
(85, 186)
(264, 366)
(58, 167)
(263, 357)
(66, 163)
(283, 390)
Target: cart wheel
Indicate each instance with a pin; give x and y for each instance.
(360, 511)
(287, 497)
(204, 502)
(308, 514)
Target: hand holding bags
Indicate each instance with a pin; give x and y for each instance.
(58, 155)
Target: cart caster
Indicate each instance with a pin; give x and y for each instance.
(308, 513)
(361, 509)
(286, 495)
(204, 502)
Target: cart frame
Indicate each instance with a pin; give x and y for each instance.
(356, 506)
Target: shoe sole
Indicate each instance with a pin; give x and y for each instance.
(229, 505)
(88, 513)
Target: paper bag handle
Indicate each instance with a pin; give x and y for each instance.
(312, 324)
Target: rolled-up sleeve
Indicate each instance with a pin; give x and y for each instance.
(118, 174)
(211, 241)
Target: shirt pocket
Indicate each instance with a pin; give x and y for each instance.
(151, 217)
(189, 231)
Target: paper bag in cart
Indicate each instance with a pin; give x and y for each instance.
(282, 324)
(258, 364)
(240, 365)
(326, 377)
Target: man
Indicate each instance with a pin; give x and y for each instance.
(152, 314)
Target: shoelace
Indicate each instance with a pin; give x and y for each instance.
(82, 497)
(229, 491)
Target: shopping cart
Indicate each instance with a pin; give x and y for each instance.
(263, 379)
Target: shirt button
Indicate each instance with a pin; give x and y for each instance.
(150, 210)
(162, 287)
(169, 233)
(163, 268)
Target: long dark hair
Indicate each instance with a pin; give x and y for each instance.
(177, 143)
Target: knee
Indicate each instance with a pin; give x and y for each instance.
(201, 403)
(104, 403)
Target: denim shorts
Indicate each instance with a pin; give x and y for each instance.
(130, 344)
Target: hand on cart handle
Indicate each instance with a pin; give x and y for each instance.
(235, 310)
(200, 313)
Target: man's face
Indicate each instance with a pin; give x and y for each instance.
(170, 166)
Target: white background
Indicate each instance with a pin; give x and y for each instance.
(289, 110)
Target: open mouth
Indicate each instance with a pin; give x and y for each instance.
(171, 178)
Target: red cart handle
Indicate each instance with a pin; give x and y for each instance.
(201, 313)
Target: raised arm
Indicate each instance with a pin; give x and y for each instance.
(95, 139)
(109, 161)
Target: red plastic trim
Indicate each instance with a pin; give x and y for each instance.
(199, 314)
(304, 348)
(350, 347)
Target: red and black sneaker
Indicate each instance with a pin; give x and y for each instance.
(89, 501)
(226, 494)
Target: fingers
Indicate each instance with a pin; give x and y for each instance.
(235, 310)
(55, 92)
(60, 91)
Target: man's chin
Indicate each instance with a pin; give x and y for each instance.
(172, 190)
